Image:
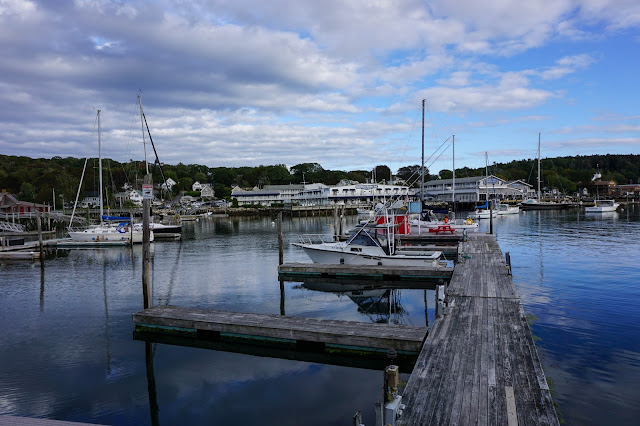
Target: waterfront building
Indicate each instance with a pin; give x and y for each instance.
(10, 204)
(476, 188)
(366, 193)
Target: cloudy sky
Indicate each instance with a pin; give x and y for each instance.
(338, 82)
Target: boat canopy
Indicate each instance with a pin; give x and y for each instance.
(116, 218)
(484, 206)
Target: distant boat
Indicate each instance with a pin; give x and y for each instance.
(537, 203)
(602, 206)
(504, 209)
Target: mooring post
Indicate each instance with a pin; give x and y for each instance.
(490, 217)
(336, 223)
(146, 236)
(40, 236)
(131, 229)
(280, 240)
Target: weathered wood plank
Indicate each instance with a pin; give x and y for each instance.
(383, 271)
(383, 336)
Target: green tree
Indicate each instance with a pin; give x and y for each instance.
(27, 192)
(382, 173)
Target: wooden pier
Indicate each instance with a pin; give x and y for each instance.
(299, 331)
(382, 272)
(479, 364)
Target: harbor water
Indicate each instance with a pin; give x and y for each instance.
(67, 351)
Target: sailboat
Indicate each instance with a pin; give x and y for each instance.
(537, 203)
(106, 233)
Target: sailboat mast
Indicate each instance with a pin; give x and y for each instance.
(453, 185)
(100, 166)
(539, 166)
(422, 168)
(144, 142)
(486, 174)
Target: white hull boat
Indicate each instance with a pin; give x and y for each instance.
(370, 245)
(602, 206)
(108, 234)
(483, 214)
(504, 209)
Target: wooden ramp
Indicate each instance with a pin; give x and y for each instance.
(286, 329)
(382, 272)
(479, 364)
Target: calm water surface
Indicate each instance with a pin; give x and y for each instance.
(67, 353)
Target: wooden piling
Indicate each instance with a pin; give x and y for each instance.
(146, 253)
(280, 240)
(40, 236)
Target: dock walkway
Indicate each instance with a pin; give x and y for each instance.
(479, 364)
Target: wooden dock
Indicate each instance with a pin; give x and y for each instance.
(279, 328)
(479, 364)
(381, 272)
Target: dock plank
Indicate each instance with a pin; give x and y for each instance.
(382, 271)
(366, 335)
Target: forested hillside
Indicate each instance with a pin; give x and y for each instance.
(34, 179)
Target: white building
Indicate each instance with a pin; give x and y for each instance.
(207, 191)
(132, 195)
(366, 193)
(168, 184)
(197, 186)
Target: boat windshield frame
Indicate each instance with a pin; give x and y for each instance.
(368, 233)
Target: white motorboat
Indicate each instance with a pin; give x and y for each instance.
(504, 209)
(602, 206)
(429, 221)
(369, 245)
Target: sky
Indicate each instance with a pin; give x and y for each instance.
(336, 82)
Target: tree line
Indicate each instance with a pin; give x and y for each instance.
(36, 179)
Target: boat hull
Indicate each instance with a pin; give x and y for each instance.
(327, 254)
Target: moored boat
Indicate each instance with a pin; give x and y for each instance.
(602, 206)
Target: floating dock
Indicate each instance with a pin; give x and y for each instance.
(298, 331)
(479, 364)
(378, 272)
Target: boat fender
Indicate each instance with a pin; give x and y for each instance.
(469, 221)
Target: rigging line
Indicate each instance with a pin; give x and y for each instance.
(153, 145)
(84, 168)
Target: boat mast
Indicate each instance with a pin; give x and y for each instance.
(539, 167)
(144, 142)
(100, 166)
(486, 173)
(422, 168)
(453, 185)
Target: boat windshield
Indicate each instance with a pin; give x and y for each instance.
(364, 237)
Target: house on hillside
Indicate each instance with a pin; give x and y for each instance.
(132, 195)
(168, 184)
(207, 191)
